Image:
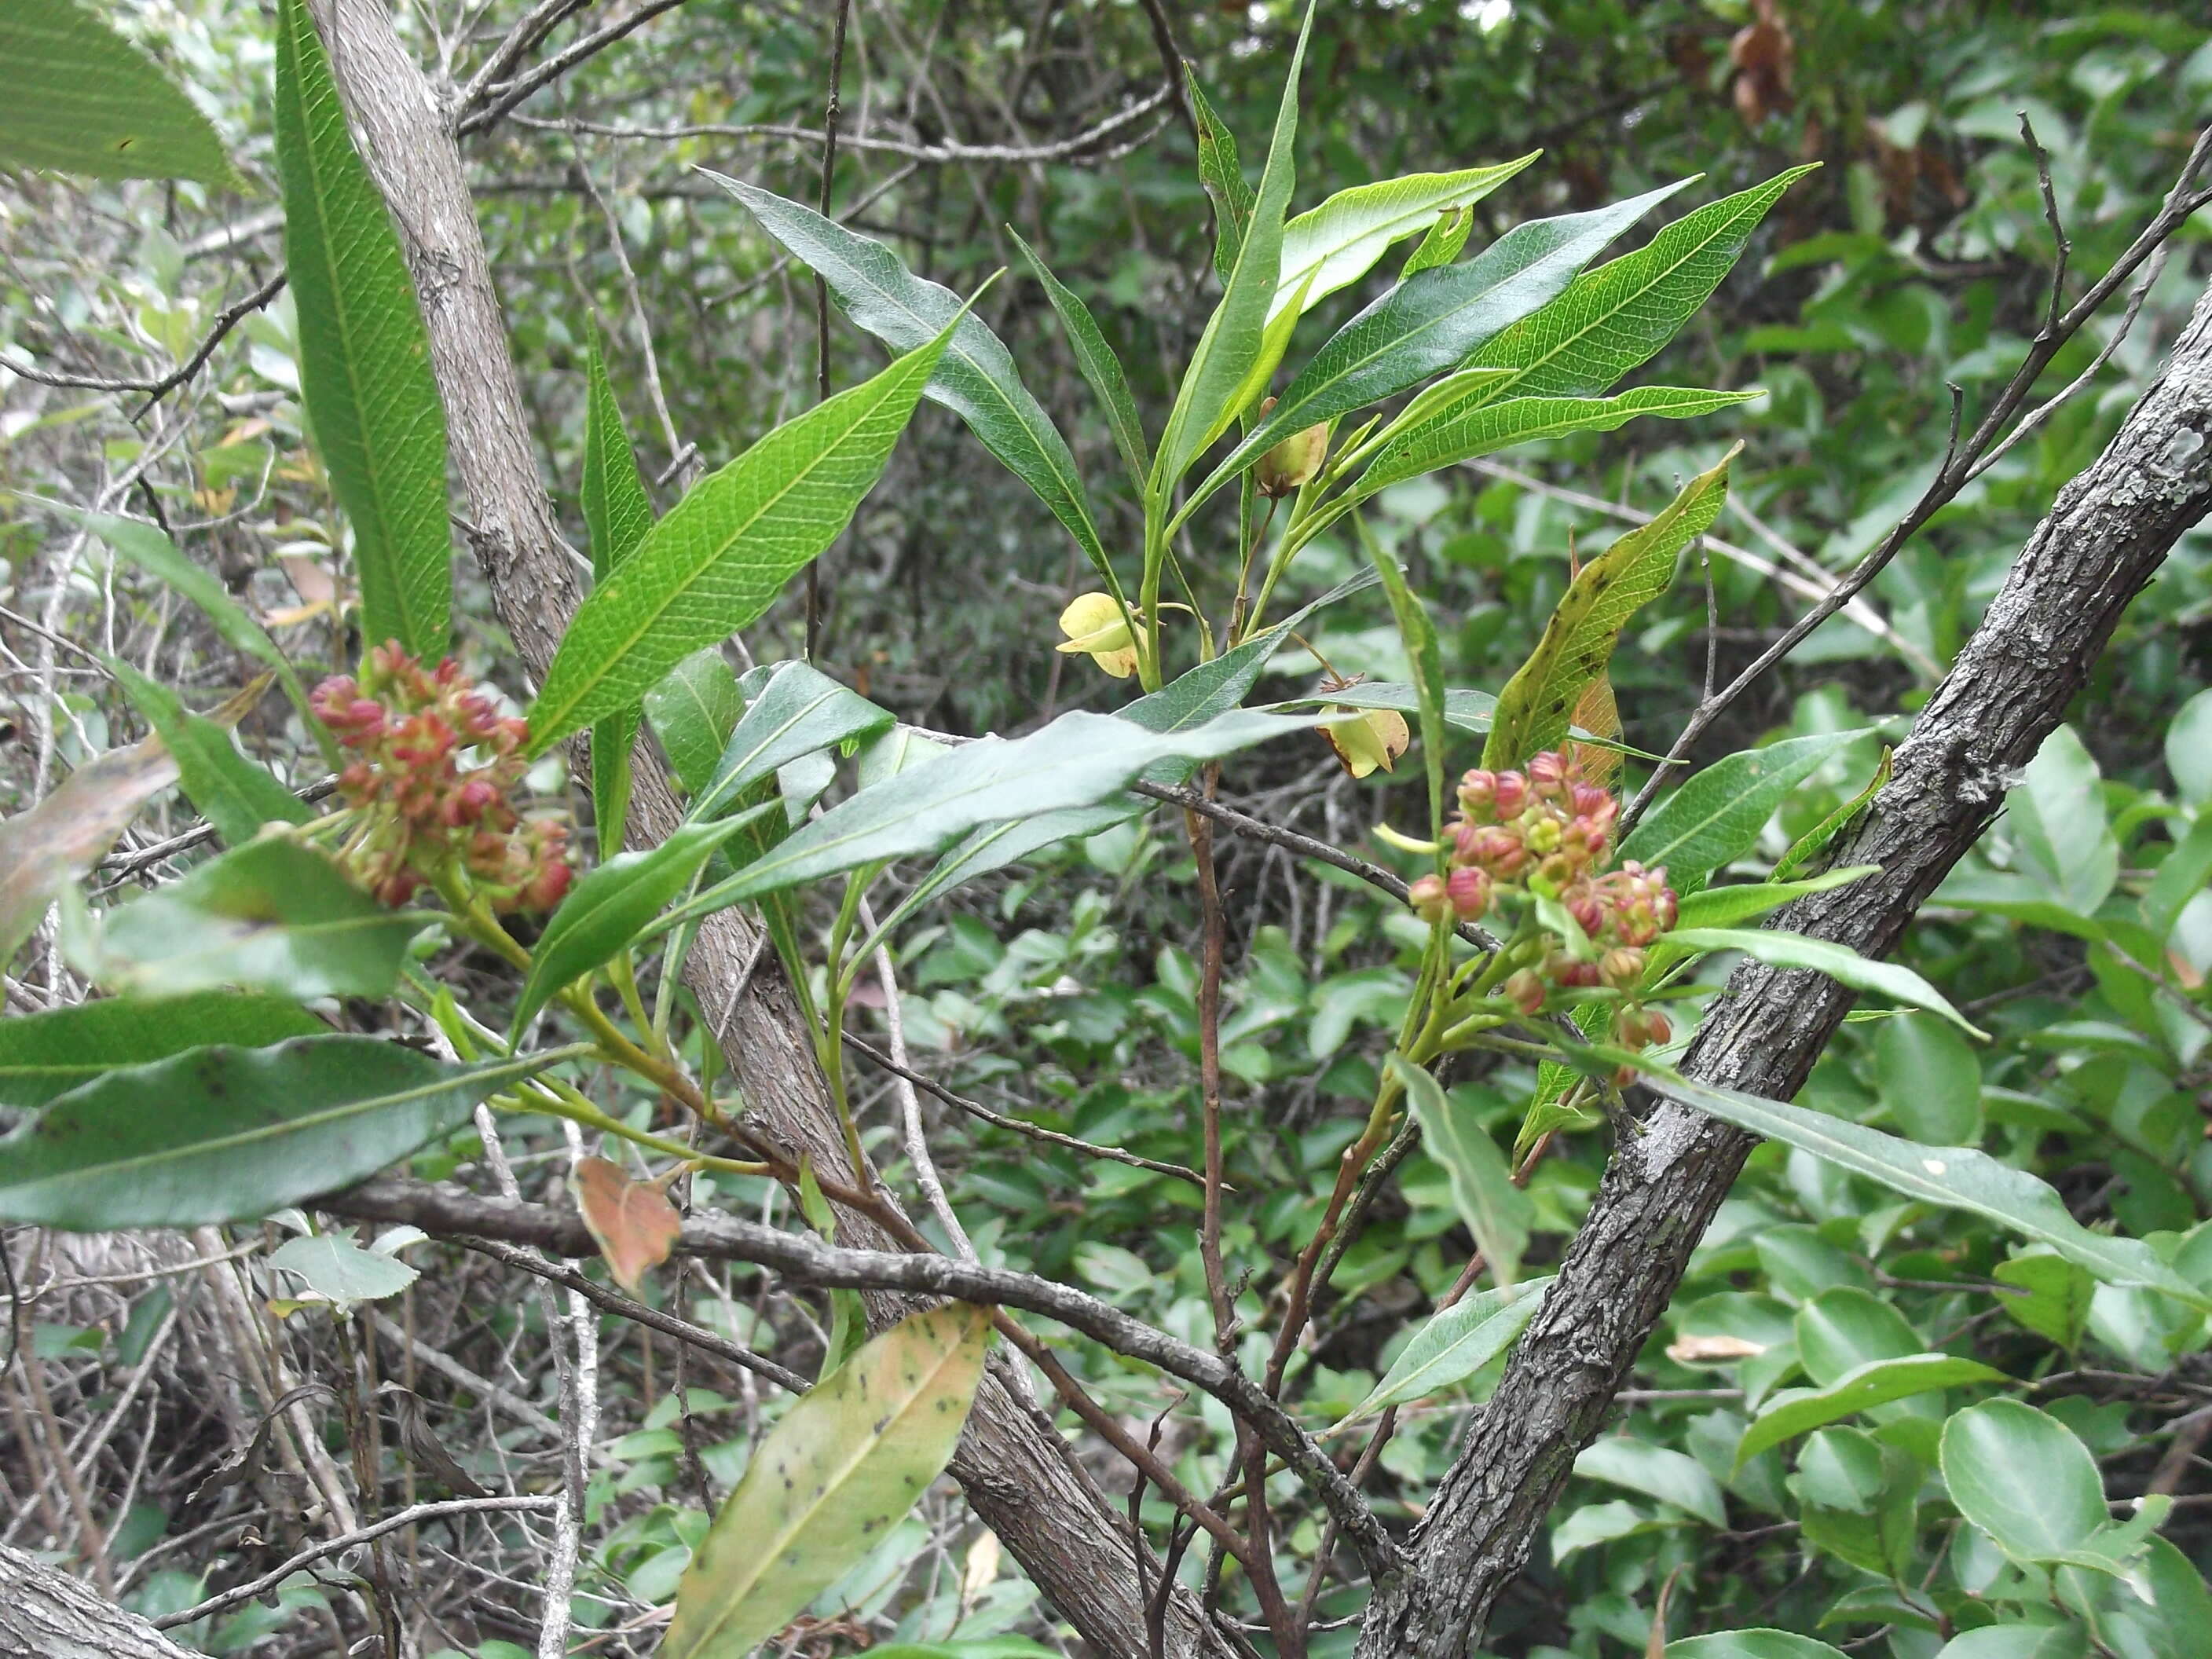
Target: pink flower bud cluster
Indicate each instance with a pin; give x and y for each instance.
(408, 728)
(1548, 829)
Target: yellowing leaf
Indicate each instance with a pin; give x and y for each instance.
(1096, 627)
(634, 1222)
(845, 1461)
(1376, 738)
(1597, 713)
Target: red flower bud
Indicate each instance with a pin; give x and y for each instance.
(1524, 991)
(1469, 890)
(1429, 900)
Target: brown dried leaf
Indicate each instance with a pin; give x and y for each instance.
(635, 1225)
(1597, 713)
(1712, 1350)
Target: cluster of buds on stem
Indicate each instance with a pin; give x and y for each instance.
(1547, 833)
(421, 814)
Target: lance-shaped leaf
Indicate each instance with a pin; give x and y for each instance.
(1622, 313)
(1949, 1177)
(845, 1462)
(617, 513)
(42, 1055)
(364, 358)
(725, 551)
(1100, 367)
(1838, 962)
(1445, 242)
(1860, 1389)
(1496, 1212)
(1453, 1345)
(1223, 175)
(610, 907)
(1418, 635)
(1335, 245)
(800, 711)
(272, 915)
(693, 713)
(976, 378)
(230, 1134)
(1218, 371)
(77, 97)
(1535, 709)
(1430, 324)
(1817, 840)
(233, 791)
(634, 1222)
(1727, 906)
(1464, 433)
(1716, 817)
(1078, 760)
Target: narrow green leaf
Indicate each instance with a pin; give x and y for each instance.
(1453, 1345)
(1466, 434)
(1536, 707)
(1333, 246)
(1419, 636)
(693, 711)
(1840, 962)
(975, 379)
(1429, 324)
(725, 551)
(1860, 1389)
(364, 358)
(800, 711)
(229, 1134)
(42, 1055)
(1726, 907)
(271, 916)
(1716, 817)
(1206, 400)
(1463, 711)
(1077, 761)
(1445, 242)
(1100, 367)
(1622, 313)
(1824, 834)
(233, 791)
(617, 513)
(77, 97)
(1223, 175)
(1949, 1177)
(845, 1462)
(1498, 1214)
(611, 906)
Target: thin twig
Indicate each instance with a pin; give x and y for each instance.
(163, 385)
(831, 110)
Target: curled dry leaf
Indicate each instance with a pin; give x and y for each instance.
(635, 1225)
(1712, 1350)
(1376, 738)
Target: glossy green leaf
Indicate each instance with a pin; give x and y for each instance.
(725, 551)
(2052, 1295)
(1078, 760)
(617, 513)
(1445, 242)
(1751, 1645)
(1216, 380)
(1498, 1213)
(693, 711)
(272, 915)
(1100, 367)
(1453, 1345)
(1223, 175)
(1536, 707)
(364, 358)
(1716, 817)
(2188, 749)
(2182, 874)
(2057, 819)
(851, 1458)
(1844, 1328)
(229, 1134)
(1620, 315)
(975, 378)
(1657, 1471)
(1429, 324)
(76, 97)
(42, 1055)
(1930, 1080)
(1840, 962)
(2018, 1641)
(1949, 1177)
(1816, 840)
(232, 790)
(1725, 907)
(1875, 1383)
(2024, 1478)
(1466, 434)
(800, 711)
(1335, 245)
(612, 905)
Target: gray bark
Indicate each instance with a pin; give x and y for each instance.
(1018, 1473)
(46, 1614)
(2102, 542)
